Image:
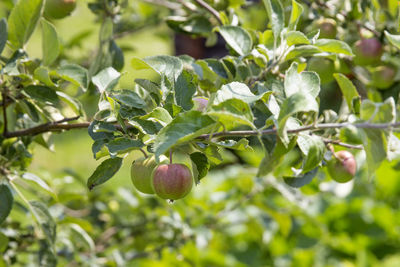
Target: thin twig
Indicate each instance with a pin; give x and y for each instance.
(315, 127)
(339, 143)
(48, 127)
(209, 9)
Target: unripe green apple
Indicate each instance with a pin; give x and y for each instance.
(327, 28)
(367, 51)
(200, 103)
(324, 67)
(172, 181)
(58, 9)
(343, 168)
(383, 77)
(141, 171)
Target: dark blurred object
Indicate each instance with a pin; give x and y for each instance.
(196, 47)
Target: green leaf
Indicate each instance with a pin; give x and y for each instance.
(3, 34)
(234, 90)
(149, 86)
(42, 94)
(75, 74)
(122, 145)
(46, 222)
(276, 16)
(73, 103)
(295, 14)
(393, 39)
(393, 148)
(302, 180)
(241, 145)
(313, 148)
(349, 92)
(22, 21)
(271, 160)
(37, 180)
(50, 43)
(46, 254)
(296, 38)
(197, 24)
(184, 127)
(298, 102)
(104, 172)
(237, 38)
(83, 236)
(145, 126)
(42, 74)
(184, 90)
(375, 143)
(334, 46)
(3, 241)
(302, 51)
(232, 113)
(305, 82)
(117, 56)
(106, 79)
(6, 200)
(168, 66)
(159, 115)
(101, 130)
(129, 98)
(202, 164)
(378, 112)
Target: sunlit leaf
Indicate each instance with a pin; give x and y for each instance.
(22, 21)
(50, 43)
(237, 38)
(349, 92)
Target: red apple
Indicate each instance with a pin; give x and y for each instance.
(367, 51)
(343, 168)
(172, 181)
(383, 76)
(327, 28)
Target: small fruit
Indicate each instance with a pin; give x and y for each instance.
(383, 77)
(327, 28)
(172, 181)
(367, 51)
(343, 168)
(200, 103)
(324, 67)
(58, 9)
(141, 171)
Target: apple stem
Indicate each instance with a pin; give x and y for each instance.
(330, 147)
(170, 156)
(144, 153)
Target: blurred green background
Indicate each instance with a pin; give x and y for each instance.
(230, 219)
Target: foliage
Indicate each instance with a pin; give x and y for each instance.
(258, 150)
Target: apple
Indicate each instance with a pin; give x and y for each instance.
(141, 171)
(58, 9)
(367, 51)
(343, 167)
(327, 28)
(200, 103)
(383, 77)
(172, 181)
(324, 67)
